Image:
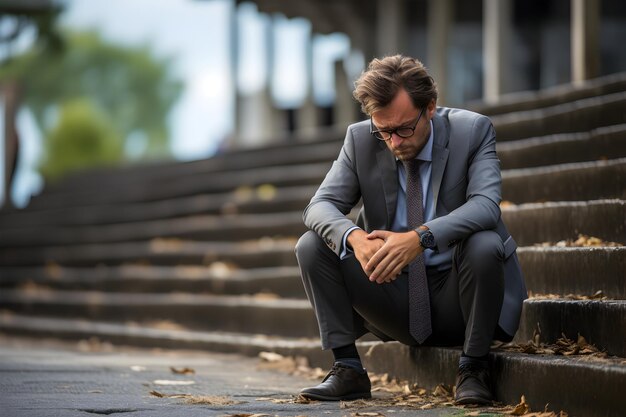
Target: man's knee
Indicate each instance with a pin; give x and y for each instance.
(481, 247)
(308, 248)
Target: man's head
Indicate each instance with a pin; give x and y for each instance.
(380, 82)
(399, 96)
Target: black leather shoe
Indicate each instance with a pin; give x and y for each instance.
(341, 383)
(472, 385)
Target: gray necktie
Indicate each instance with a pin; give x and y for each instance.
(419, 300)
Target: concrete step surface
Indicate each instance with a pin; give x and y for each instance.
(550, 222)
(555, 221)
(574, 270)
(254, 254)
(601, 322)
(578, 385)
(577, 116)
(218, 279)
(603, 143)
(581, 271)
(576, 181)
(551, 96)
(220, 182)
(244, 200)
(243, 314)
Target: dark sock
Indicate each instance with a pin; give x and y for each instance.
(476, 360)
(349, 356)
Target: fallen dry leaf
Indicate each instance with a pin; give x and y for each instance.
(172, 382)
(182, 371)
(521, 408)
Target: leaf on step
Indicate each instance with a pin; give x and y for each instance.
(372, 414)
(521, 408)
(302, 400)
(441, 391)
(157, 394)
(182, 371)
(209, 400)
(172, 382)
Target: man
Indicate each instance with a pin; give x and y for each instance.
(428, 261)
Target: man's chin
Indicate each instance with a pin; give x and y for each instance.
(405, 156)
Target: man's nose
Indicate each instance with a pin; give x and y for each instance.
(395, 139)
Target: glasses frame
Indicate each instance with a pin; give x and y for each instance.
(380, 134)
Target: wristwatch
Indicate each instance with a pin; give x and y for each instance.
(427, 240)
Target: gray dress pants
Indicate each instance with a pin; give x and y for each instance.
(465, 300)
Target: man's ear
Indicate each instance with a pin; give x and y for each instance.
(432, 108)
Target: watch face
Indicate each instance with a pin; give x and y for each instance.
(427, 240)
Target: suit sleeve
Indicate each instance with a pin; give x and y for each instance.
(481, 211)
(336, 196)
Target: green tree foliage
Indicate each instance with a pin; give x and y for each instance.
(134, 89)
(83, 137)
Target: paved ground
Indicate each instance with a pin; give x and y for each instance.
(55, 379)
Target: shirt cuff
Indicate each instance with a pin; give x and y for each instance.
(345, 250)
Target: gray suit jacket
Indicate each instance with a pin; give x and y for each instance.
(466, 185)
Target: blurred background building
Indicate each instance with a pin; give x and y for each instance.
(188, 78)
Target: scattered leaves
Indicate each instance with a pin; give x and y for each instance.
(298, 366)
(197, 399)
(598, 295)
(563, 346)
(581, 241)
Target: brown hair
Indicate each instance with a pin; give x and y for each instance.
(379, 83)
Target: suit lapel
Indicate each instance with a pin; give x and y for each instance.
(389, 178)
(440, 153)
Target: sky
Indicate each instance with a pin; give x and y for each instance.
(197, 34)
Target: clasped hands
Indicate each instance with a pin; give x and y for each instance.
(382, 254)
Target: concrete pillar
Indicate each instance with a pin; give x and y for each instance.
(585, 43)
(11, 94)
(345, 108)
(497, 31)
(390, 27)
(258, 120)
(440, 14)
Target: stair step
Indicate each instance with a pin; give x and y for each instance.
(220, 280)
(577, 116)
(602, 143)
(255, 254)
(287, 317)
(555, 221)
(531, 100)
(242, 201)
(178, 186)
(576, 181)
(571, 270)
(207, 228)
(296, 151)
(563, 148)
(601, 322)
(547, 270)
(574, 384)
(529, 223)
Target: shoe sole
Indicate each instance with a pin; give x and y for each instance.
(356, 396)
(473, 400)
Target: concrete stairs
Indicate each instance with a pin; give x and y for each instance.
(200, 254)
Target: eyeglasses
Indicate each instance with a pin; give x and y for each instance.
(403, 131)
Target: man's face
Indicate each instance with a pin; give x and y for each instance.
(402, 113)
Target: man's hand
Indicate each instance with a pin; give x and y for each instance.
(398, 251)
(363, 246)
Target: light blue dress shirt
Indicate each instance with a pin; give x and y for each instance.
(440, 260)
